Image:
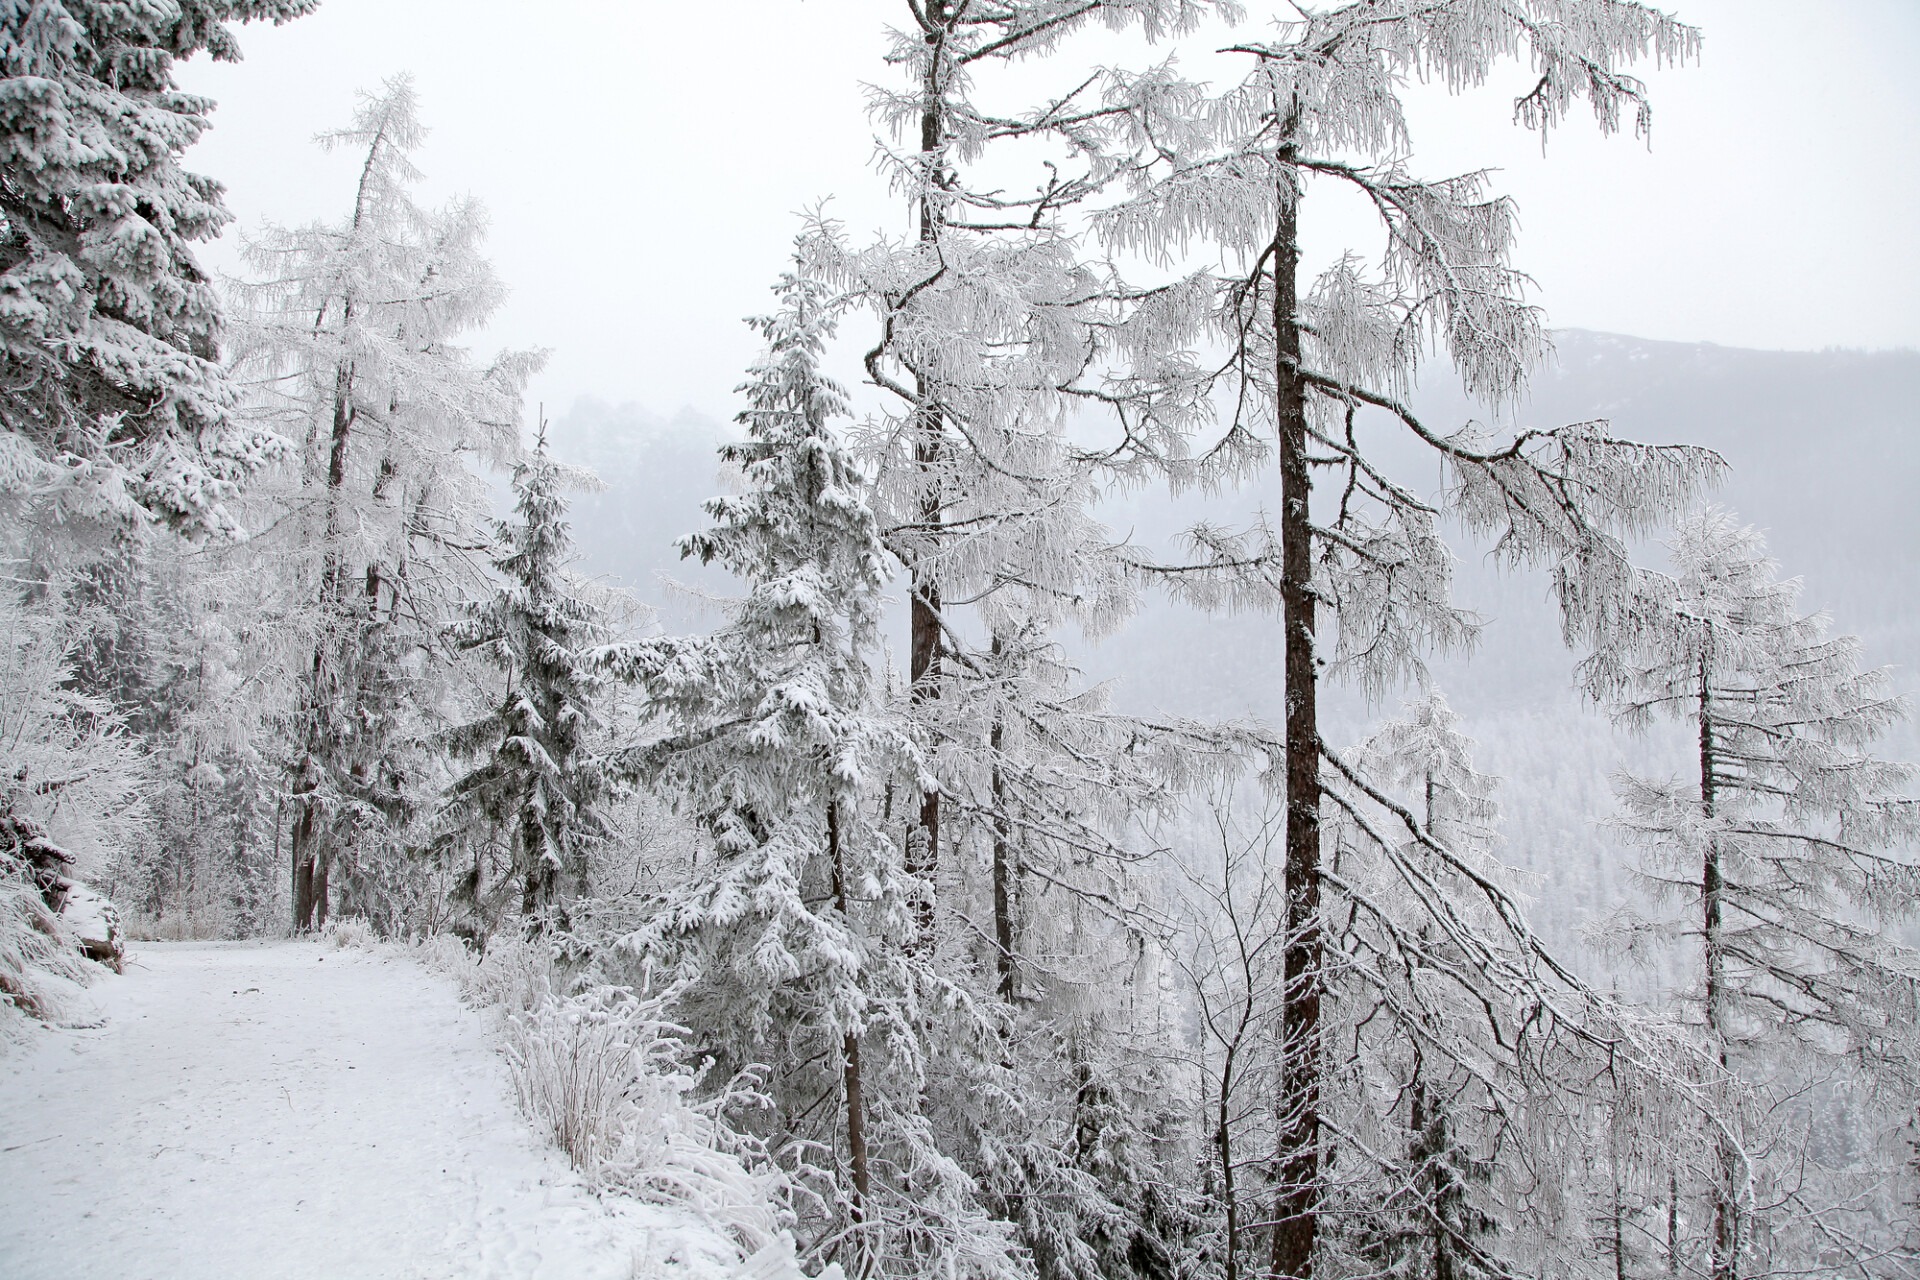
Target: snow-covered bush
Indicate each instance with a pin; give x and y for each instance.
(351, 932)
(604, 1073)
(67, 763)
(93, 922)
(70, 802)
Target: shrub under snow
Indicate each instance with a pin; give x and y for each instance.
(603, 1072)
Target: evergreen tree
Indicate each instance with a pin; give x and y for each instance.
(540, 780)
(351, 351)
(795, 938)
(1438, 1216)
(1792, 850)
(993, 332)
(109, 336)
(1358, 573)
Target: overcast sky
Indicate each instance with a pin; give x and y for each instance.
(643, 162)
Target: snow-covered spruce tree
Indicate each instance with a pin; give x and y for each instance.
(1322, 368)
(992, 331)
(540, 782)
(1793, 855)
(185, 642)
(116, 402)
(794, 939)
(351, 351)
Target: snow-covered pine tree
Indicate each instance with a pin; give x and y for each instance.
(1432, 1213)
(1793, 856)
(987, 320)
(109, 337)
(795, 936)
(540, 782)
(1322, 367)
(351, 351)
(993, 331)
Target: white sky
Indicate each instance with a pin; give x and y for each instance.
(643, 161)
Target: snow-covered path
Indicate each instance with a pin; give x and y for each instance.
(284, 1110)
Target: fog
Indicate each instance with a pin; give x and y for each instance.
(644, 164)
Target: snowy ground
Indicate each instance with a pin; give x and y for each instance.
(289, 1110)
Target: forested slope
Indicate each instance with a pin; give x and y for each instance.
(1816, 444)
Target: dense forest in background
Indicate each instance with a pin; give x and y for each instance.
(1131, 789)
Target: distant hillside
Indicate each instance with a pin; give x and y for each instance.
(657, 472)
(1824, 454)
(1824, 449)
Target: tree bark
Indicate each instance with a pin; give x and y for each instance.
(1223, 1139)
(1003, 871)
(1297, 1207)
(1673, 1222)
(1724, 1264)
(321, 865)
(857, 1158)
(923, 841)
(304, 841)
(309, 875)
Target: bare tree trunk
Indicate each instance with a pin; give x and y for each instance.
(304, 840)
(309, 874)
(850, 1076)
(321, 865)
(1297, 1210)
(1003, 871)
(1619, 1223)
(1673, 1222)
(1223, 1139)
(1724, 1263)
(923, 842)
(307, 836)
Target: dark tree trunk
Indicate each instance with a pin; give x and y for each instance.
(302, 855)
(320, 898)
(850, 1073)
(305, 837)
(309, 864)
(1725, 1261)
(1673, 1222)
(1297, 1207)
(1229, 1193)
(923, 842)
(1003, 871)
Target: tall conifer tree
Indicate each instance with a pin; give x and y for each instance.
(351, 349)
(1358, 570)
(796, 937)
(540, 780)
(1793, 853)
(117, 403)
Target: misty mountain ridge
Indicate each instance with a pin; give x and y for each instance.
(1839, 514)
(1812, 441)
